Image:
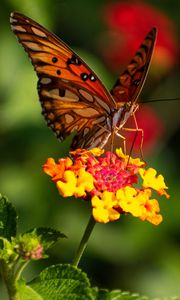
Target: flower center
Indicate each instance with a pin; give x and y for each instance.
(109, 178)
(109, 173)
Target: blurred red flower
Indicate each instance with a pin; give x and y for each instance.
(128, 23)
(152, 125)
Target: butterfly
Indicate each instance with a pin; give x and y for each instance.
(72, 97)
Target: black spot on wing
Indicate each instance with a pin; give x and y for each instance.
(92, 77)
(62, 92)
(74, 60)
(84, 76)
(54, 59)
(136, 82)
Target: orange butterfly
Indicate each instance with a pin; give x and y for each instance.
(73, 99)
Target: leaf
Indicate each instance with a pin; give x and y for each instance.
(8, 218)
(27, 293)
(48, 236)
(61, 282)
(103, 294)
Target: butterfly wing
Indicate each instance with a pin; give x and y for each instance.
(71, 95)
(131, 81)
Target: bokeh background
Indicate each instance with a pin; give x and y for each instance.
(127, 254)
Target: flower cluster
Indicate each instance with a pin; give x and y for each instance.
(114, 182)
(29, 247)
(25, 247)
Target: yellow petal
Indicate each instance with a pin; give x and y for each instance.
(84, 183)
(129, 202)
(127, 158)
(103, 210)
(85, 179)
(151, 180)
(96, 151)
(151, 212)
(68, 187)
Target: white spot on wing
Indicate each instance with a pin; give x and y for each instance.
(86, 95)
(75, 128)
(12, 19)
(38, 32)
(54, 92)
(51, 116)
(86, 130)
(68, 118)
(121, 92)
(57, 132)
(65, 80)
(71, 95)
(45, 80)
(86, 112)
(99, 120)
(33, 46)
(102, 104)
(18, 28)
(50, 124)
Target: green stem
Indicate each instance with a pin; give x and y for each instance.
(10, 277)
(19, 270)
(7, 273)
(84, 241)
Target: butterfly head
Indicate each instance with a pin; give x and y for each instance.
(131, 107)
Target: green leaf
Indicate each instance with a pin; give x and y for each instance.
(8, 219)
(47, 236)
(102, 294)
(60, 282)
(25, 292)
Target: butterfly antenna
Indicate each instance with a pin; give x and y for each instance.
(160, 100)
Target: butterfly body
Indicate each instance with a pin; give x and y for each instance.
(72, 97)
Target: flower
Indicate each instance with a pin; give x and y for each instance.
(115, 183)
(150, 180)
(75, 183)
(127, 25)
(111, 173)
(139, 205)
(103, 208)
(29, 247)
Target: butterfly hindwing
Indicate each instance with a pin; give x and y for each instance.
(131, 81)
(71, 95)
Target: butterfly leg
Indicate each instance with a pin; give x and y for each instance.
(113, 133)
(124, 141)
(136, 130)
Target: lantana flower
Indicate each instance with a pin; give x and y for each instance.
(115, 184)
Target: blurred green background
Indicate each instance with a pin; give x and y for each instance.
(127, 254)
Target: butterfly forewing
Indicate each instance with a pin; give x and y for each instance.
(131, 81)
(71, 95)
